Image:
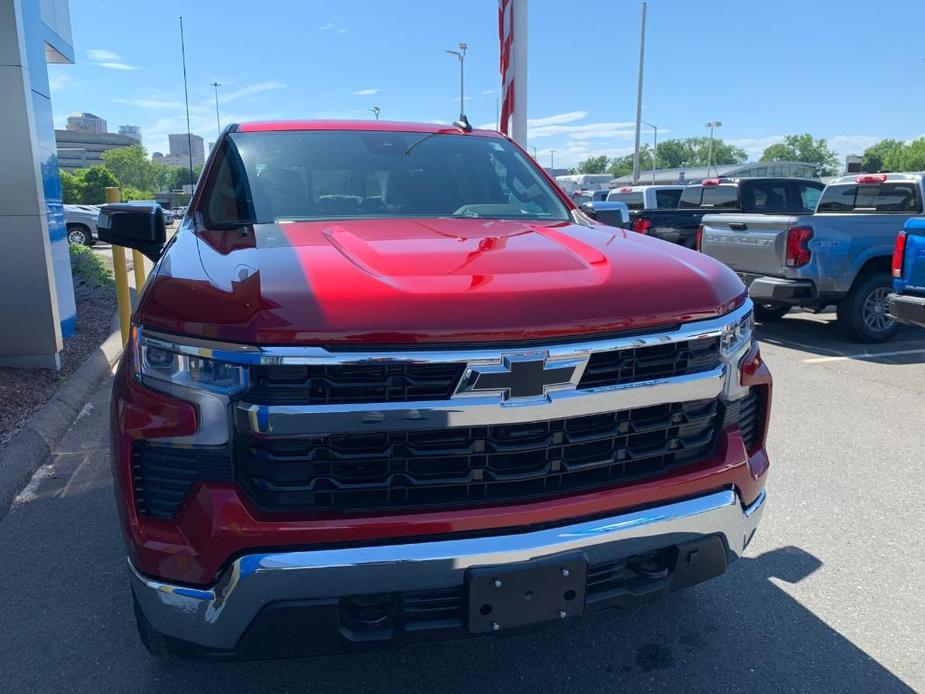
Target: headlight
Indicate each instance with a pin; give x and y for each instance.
(160, 361)
(738, 333)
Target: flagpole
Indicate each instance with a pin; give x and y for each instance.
(519, 70)
(642, 55)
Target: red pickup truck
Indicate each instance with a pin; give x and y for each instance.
(386, 384)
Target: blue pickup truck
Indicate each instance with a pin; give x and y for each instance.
(907, 305)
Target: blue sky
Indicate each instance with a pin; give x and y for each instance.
(847, 70)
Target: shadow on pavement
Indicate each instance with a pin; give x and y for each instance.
(819, 334)
(67, 625)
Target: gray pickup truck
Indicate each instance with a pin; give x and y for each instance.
(839, 255)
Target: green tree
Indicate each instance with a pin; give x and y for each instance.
(886, 155)
(913, 156)
(593, 165)
(72, 186)
(804, 148)
(181, 177)
(621, 166)
(694, 151)
(131, 166)
(96, 179)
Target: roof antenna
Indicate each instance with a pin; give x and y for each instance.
(462, 123)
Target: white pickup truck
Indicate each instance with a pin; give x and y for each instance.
(839, 255)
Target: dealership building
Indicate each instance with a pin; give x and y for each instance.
(35, 272)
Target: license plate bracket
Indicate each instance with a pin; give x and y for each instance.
(502, 598)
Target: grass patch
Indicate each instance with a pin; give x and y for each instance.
(91, 276)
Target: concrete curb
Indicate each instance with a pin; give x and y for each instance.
(31, 447)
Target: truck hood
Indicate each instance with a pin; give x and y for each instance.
(412, 281)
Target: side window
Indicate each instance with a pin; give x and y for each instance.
(691, 197)
(767, 197)
(838, 198)
(723, 197)
(667, 199)
(809, 196)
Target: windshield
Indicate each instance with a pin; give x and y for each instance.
(269, 177)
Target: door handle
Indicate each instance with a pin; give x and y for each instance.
(738, 226)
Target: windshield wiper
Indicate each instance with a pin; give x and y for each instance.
(419, 141)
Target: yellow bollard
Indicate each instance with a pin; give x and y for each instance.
(119, 271)
(138, 261)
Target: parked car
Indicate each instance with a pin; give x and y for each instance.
(580, 197)
(168, 214)
(80, 222)
(611, 213)
(425, 400)
(727, 195)
(840, 255)
(654, 197)
(907, 304)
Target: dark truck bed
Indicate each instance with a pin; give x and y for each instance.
(744, 195)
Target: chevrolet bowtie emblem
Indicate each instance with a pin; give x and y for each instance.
(521, 376)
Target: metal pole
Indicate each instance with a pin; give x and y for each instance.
(462, 81)
(712, 124)
(552, 160)
(654, 152)
(519, 71)
(189, 134)
(218, 122)
(642, 56)
(119, 271)
(375, 110)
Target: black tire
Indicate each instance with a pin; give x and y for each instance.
(154, 641)
(79, 234)
(768, 313)
(862, 315)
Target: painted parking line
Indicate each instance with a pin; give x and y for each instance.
(863, 355)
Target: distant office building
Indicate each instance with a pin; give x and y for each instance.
(78, 150)
(86, 123)
(180, 146)
(170, 159)
(853, 164)
(132, 131)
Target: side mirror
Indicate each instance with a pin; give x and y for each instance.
(133, 226)
(589, 210)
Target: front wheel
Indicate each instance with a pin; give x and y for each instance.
(863, 314)
(768, 313)
(79, 234)
(154, 641)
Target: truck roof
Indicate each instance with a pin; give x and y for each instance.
(392, 126)
(879, 177)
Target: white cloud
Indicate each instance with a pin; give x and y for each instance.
(569, 117)
(249, 90)
(486, 92)
(59, 80)
(108, 59)
(367, 92)
(98, 55)
(334, 24)
(584, 131)
(151, 104)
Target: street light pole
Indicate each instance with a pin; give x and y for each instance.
(218, 123)
(642, 55)
(376, 110)
(711, 125)
(461, 54)
(552, 160)
(654, 148)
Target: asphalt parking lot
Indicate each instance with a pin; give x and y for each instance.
(829, 598)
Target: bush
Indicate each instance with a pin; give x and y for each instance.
(91, 276)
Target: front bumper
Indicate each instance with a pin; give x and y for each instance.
(213, 621)
(907, 309)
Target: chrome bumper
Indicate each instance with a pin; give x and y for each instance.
(218, 616)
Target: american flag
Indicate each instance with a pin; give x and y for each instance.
(506, 35)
